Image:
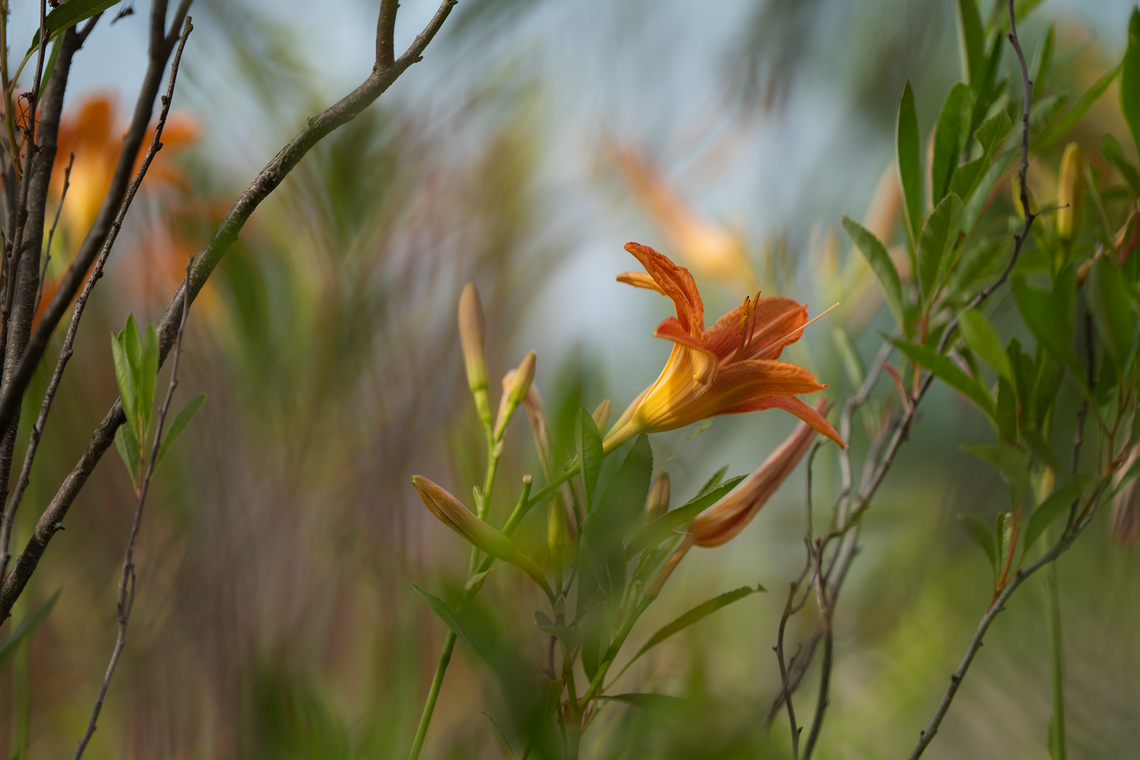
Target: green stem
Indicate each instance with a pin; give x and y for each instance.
(433, 694)
(1056, 662)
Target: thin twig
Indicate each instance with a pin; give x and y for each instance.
(80, 304)
(127, 581)
(51, 234)
(316, 128)
(825, 617)
(1067, 540)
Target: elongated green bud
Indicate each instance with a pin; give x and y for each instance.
(472, 329)
(1070, 193)
(601, 415)
(556, 528)
(479, 534)
(515, 384)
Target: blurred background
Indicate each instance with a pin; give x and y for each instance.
(275, 616)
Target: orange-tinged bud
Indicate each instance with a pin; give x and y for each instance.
(556, 528)
(658, 502)
(479, 534)
(516, 384)
(471, 335)
(601, 415)
(735, 511)
(1070, 193)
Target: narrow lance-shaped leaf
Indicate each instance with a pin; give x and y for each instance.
(950, 137)
(1048, 318)
(950, 373)
(588, 443)
(1130, 79)
(658, 530)
(464, 630)
(983, 340)
(694, 615)
(1009, 461)
(1053, 507)
(1062, 126)
(178, 424)
(1113, 311)
(66, 15)
(971, 43)
(128, 448)
(148, 369)
(715, 480)
(1112, 150)
(909, 164)
(125, 377)
(981, 534)
(881, 264)
(26, 628)
(936, 246)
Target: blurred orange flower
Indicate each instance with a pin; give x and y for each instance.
(730, 369)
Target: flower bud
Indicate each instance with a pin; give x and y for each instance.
(471, 336)
(556, 528)
(1015, 193)
(1070, 193)
(601, 415)
(479, 534)
(515, 384)
(658, 502)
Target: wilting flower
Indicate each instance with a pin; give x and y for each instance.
(1124, 523)
(730, 369)
(479, 534)
(732, 513)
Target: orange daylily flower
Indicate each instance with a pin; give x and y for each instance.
(729, 369)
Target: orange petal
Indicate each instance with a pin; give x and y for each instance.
(675, 282)
(797, 407)
(774, 321)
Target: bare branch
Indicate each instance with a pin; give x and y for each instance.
(204, 263)
(51, 235)
(127, 581)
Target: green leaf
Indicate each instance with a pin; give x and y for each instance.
(471, 636)
(937, 243)
(1049, 318)
(909, 146)
(881, 264)
(950, 137)
(650, 701)
(1130, 79)
(976, 203)
(715, 480)
(1112, 311)
(991, 136)
(1006, 408)
(658, 530)
(1042, 450)
(596, 631)
(949, 372)
(983, 340)
(1003, 532)
(49, 64)
(148, 369)
(571, 637)
(1010, 463)
(66, 15)
(971, 43)
(983, 537)
(26, 628)
(1044, 60)
(588, 443)
(1052, 508)
(125, 377)
(128, 448)
(1111, 149)
(179, 424)
(1062, 126)
(625, 494)
(699, 612)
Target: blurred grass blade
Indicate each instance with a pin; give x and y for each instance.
(26, 628)
(179, 424)
(1063, 125)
